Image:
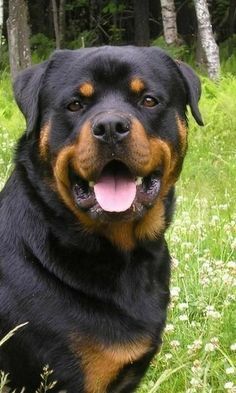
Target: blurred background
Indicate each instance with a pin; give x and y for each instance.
(191, 30)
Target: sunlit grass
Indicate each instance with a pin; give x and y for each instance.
(199, 342)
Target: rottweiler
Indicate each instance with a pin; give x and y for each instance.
(83, 257)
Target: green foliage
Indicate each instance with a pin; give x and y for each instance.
(219, 10)
(198, 353)
(180, 52)
(228, 54)
(4, 61)
(115, 35)
(76, 4)
(113, 7)
(85, 39)
(187, 54)
(41, 47)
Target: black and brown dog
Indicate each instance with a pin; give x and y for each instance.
(83, 257)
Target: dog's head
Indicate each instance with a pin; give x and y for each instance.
(111, 130)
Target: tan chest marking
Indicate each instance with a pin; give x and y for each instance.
(101, 364)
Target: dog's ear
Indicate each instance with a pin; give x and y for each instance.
(193, 87)
(26, 90)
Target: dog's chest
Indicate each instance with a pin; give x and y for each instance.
(102, 360)
(102, 364)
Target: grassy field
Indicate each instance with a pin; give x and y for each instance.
(198, 353)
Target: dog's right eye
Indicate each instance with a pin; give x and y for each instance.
(75, 106)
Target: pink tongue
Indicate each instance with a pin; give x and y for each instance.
(115, 193)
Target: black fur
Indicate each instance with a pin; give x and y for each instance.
(56, 276)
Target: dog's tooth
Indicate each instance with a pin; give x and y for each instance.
(91, 184)
(139, 181)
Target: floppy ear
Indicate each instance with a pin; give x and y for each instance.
(193, 87)
(26, 89)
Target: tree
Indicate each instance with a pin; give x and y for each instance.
(18, 36)
(1, 24)
(169, 21)
(59, 22)
(207, 40)
(141, 22)
(232, 19)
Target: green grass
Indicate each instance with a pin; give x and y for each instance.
(198, 353)
(202, 240)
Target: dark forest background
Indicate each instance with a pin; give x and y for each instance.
(91, 23)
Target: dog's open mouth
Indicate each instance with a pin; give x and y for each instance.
(116, 190)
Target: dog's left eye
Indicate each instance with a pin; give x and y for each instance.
(75, 106)
(149, 102)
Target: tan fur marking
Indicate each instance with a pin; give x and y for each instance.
(183, 133)
(63, 186)
(61, 174)
(152, 224)
(86, 89)
(137, 85)
(43, 140)
(101, 363)
(121, 234)
(86, 159)
(144, 155)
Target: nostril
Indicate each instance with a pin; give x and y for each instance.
(99, 130)
(121, 128)
(111, 128)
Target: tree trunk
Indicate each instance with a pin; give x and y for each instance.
(201, 61)
(92, 13)
(141, 22)
(62, 22)
(59, 22)
(208, 43)
(169, 21)
(56, 23)
(1, 26)
(18, 36)
(232, 17)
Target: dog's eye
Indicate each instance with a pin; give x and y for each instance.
(75, 106)
(149, 102)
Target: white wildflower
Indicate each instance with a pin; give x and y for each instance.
(169, 327)
(183, 306)
(233, 347)
(183, 317)
(230, 370)
(175, 343)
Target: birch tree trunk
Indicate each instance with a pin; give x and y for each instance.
(209, 46)
(169, 21)
(201, 61)
(18, 36)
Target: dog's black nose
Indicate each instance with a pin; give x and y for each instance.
(111, 128)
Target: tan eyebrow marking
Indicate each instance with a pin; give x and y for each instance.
(86, 89)
(137, 85)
